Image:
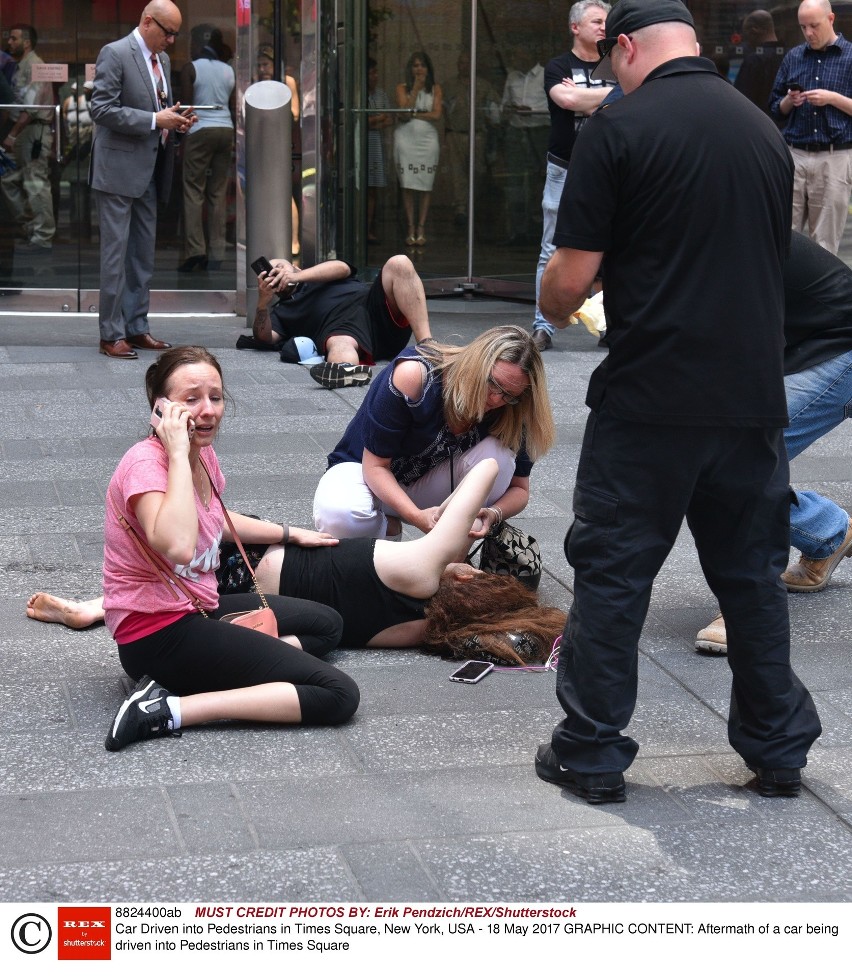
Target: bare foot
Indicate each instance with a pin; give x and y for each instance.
(72, 614)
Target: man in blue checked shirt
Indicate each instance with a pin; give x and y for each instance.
(813, 95)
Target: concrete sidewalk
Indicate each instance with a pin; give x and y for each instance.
(429, 793)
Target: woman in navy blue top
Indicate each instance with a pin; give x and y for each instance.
(427, 419)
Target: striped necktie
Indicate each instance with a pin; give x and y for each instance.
(161, 92)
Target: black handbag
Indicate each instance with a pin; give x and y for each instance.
(509, 550)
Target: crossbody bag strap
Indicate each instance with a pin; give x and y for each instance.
(234, 534)
(157, 561)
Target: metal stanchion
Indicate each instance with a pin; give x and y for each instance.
(268, 186)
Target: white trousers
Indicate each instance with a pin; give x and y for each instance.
(345, 506)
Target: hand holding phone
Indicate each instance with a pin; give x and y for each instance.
(157, 415)
(261, 266)
(471, 672)
(794, 87)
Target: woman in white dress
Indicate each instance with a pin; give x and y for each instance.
(416, 147)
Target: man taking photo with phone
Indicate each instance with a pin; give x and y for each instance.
(352, 324)
(812, 96)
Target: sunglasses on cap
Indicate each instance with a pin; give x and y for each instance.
(605, 46)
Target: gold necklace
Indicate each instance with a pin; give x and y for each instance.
(199, 485)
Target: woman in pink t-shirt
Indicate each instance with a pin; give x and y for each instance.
(193, 668)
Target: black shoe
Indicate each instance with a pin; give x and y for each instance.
(334, 375)
(144, 714)
(777, 782)
(195, 261)
(597, 789)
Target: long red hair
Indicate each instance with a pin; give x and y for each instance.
(487, 607)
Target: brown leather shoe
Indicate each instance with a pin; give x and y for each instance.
(118, 350)
(813, 575)
(713, 640)
(145, 341)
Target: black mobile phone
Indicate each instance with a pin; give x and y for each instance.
(261, 265)
(794, 87)
(471, 672)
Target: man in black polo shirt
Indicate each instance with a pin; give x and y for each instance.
(683, 188)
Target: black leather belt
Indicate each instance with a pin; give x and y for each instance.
(557, 161)
(821, 147)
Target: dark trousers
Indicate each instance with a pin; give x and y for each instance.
(197, 655)
(635, 485)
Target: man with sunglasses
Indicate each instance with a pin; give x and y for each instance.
(131, 166)
(680, 193)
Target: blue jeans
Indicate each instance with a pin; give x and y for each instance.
(549, 208)
(818, 399)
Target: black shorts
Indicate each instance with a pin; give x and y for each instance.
(378, 335)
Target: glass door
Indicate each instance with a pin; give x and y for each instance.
(49, 257)
(452, 180)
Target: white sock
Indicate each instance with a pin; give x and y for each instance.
(173, 703)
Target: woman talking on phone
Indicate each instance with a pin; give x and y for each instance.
(192, 667)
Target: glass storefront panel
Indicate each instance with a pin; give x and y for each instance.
(63, 275)
(347, 63)
(509, 43)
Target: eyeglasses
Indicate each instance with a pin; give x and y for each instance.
(507, 397)
(168, 33)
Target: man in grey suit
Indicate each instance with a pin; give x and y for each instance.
(132, 155)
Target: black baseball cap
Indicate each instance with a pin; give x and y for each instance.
(629, 15)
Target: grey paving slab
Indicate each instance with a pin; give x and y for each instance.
(453, 803)
(675, 863)
(429, 793)
(67, 826)
(76, 759)
(391, 871)
(296, 876)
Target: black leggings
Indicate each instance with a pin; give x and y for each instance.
(201, 655)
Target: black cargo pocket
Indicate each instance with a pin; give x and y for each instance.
(587, 540)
